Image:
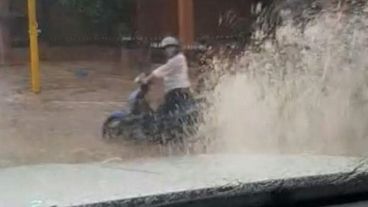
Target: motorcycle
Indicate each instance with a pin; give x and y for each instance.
(139, 122)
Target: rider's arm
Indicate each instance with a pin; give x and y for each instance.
(163, 70)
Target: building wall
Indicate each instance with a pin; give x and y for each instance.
(153, 19)
(207, 15)
(156, 18)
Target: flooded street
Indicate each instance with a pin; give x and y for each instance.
(301, 91)
(63, 123)
(241, 102)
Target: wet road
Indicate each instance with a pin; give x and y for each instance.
(62, 124)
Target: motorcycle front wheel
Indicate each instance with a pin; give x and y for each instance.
(111, 129)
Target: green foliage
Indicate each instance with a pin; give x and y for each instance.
(104, 14)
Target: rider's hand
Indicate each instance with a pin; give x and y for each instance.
(145, 80)
(142, 79)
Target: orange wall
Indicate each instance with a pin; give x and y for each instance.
(208, 12)
(157, 18)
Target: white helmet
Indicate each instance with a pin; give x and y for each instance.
(169, 41)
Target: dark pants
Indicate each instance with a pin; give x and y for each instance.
(175, 100)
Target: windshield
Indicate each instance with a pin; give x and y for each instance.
(227, 91)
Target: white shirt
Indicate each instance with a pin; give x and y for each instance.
(174, 73)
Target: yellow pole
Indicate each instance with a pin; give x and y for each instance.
(33, 46)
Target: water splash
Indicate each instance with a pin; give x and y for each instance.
(304, 92)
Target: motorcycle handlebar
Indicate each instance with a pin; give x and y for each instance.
(140, 79)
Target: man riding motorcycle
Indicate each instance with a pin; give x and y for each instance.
(175, 75)
(175, 120)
